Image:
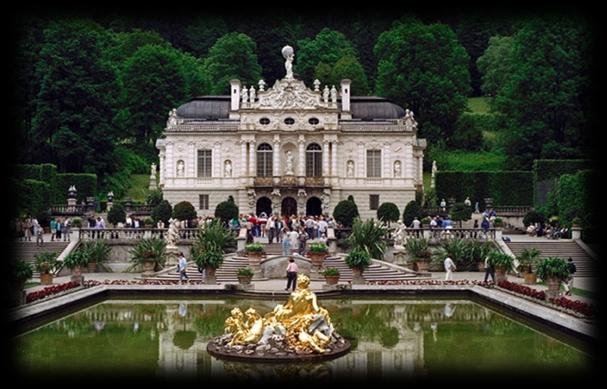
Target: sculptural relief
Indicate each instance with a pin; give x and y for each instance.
(289, 165)
(227, 170)
(180, 168)
(397, 169)
(350, 169)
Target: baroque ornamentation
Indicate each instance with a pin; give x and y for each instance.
(287, 94)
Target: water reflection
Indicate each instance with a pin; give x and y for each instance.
(388, 337)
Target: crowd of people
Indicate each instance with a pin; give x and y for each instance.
(28, 227)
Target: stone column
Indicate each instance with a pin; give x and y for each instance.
(242, 165)
(162, 164)
(408, 162)
(325, 161)
(301, 168)
(252, 153)
(217, 167)
(276, 156)
(362, 160)
(387, 160)
(191, 161)
(334, 161)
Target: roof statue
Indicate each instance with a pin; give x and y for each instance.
(289, 54)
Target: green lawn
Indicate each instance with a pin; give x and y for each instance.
(139, 187)
(472, 161)
(479, 104)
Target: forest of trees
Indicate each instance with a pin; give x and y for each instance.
(93, 94)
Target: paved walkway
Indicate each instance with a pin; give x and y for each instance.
(277, 285)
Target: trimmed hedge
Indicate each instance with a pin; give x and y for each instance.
(505, 188)
(86, 183)
(575, 197)
(33, 198)
(546, 173)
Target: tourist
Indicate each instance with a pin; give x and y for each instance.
(183, 265)
(449, 268)
(286, 242)
(292, 270)
(568, 284)
(38, 232)
(66, 229)
(416, 224)
(489, 270)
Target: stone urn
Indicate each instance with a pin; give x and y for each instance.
(554, 287)
(210, 275)
(317, 258)
(46, 278)
(357, 276)
(92, 267)
(500, 274)
(254, 257)
(332, 280)
(530, 278)
(244, 280)
(422, 266)
(77, 274)
(149, 267)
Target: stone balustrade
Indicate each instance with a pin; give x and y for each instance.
(134, 233)
(453, 233)
(68, 210)
(500, 211)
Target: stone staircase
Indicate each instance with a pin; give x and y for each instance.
(25, 251)
(586, 266)
(376, 272)
(226, 272)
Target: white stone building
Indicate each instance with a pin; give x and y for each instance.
(289, 149)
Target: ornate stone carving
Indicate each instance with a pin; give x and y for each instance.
(350, 169)
(289, 166)
(262, 85)
(409, 121)
(287, 94)
(289, 54)
(316, 85)
(180, 168)
(397, 169)
(172, 121)
(227, 168)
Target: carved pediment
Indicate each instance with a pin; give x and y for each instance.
(288, 94)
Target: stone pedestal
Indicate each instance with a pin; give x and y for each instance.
(389, 253)
(576, 233)
(71, 204)
(153, 184)
(210, 278)
(110, 204)
(172, 256)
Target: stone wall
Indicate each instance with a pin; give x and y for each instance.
(276, 267)
(119, 259)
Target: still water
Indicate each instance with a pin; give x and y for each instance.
(390, 338)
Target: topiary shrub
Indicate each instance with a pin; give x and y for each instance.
(412, 210)
(116, 214)
(226, 210)
(184, 211)
(345, 212)
(162, 211)
(388, 212)
(460, 212)
(533, 217)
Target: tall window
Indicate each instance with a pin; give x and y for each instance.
(373, 163)
(204, 201)
(205, 158)
(373, 202)
(264, 160)
(313, 161)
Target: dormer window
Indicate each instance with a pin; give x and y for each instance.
(313, 121)
(264, 121)
(289, 121)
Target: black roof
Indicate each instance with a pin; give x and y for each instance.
(218, 107)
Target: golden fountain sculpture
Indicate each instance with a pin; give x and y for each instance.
(298, 327)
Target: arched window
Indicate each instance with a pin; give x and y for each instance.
(313, 161)
(264, 160)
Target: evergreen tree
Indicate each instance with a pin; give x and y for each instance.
(496, 64)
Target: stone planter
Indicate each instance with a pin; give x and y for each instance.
(317, 259)
(77, 275)
(46, 279)
(530, 278)
(210, 275)
(554, 287)
(92, 267)
(500, 274)
(422, 266)
(254, 258)
(244, 280)
(332, 280)
(358, 276)
(149, 267)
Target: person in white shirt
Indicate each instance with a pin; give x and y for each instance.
(416, 223)
(183, 264)
(449, 268)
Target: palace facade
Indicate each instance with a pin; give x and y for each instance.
(290, 149)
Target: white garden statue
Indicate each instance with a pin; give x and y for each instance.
(288, 53)
(289, 167)
(173, 233)
(228, 169)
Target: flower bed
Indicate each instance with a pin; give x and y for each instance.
(49, 291)
(575, 307)
(91, 283)
(429, 282)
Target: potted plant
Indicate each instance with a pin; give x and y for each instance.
(553, 270)
(527, 262)
(45, 264)
(244, 274)
(420, 252)
(255, 252)
(23, 272)
(358, 260)
(75, 261)
(209, 260)
(149, 253)
(97, 251)
(331, 275)
(501, 263)
(498, 222)
(317, 253)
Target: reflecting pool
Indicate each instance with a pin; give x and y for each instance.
(390, 338)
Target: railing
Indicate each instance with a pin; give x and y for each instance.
(69, 210)
(137, 209)
(134, 233)
(450, 233)
(263, 181)
(500, 211)
(315, 181)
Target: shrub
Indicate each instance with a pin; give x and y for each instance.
(368, 236)
(77, 222)
(412, 210)
(245, 272)
(358, 259)
(418, 249)
(460, 212)
(75, 258)
(467, 134)
(345, 212)
(553, 267)
(45, 263)
(533, 217)
(497, 259)
(162, 211)
(116, 214)
(319, 247)
(331, 272)
(23, 271)
(209, 258)
(96, 250)
(528, 259)
(86, 184)
(388, 212)
(32, 198)
(154, 198)
(149, 250)
(254, 248)
(213, 237)
(184, 211)
(226, 210)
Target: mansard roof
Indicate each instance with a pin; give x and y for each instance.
(218, 107)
